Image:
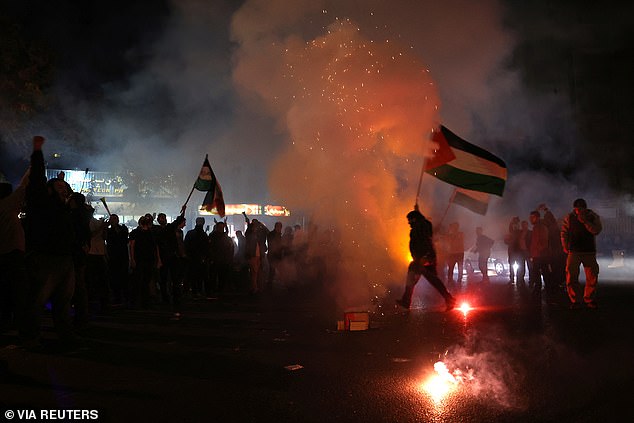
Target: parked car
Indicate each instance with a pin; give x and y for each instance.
(497, 264)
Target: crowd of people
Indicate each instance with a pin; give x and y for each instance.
(552, 251)
(59, 254)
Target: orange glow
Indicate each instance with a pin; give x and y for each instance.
(276, 211)
(440, 384)
(443, 383)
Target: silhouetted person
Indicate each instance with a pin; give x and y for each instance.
(556, 255)
(118, 259)
(97, 266)
(274, 253)
(221, 258)
(455, 252)
(80, 216)
(13, 281)
(166, 245)
(197, 249)
(538, 253)
(172, 254)
(483, 247)
(512, 240)
(240, 263)
(423, 260)
(255, 251)
(144, 260)
(49, 249)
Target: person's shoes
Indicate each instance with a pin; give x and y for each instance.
(402, 304)
(450, 304)
(592, 305)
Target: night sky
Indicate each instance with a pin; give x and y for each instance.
(546, 85)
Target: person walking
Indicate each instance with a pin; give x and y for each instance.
(538, 254)
(578, 239)
(423, 261)
(483, 247)
(455, 257)
(512, 240)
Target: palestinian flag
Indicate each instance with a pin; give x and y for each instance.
(472, 167)
(214, 201)
(476, 201)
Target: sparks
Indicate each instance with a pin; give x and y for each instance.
(440, 384)
(443, 383)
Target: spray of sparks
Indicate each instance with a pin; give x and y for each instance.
(443, 383)
(358, 114)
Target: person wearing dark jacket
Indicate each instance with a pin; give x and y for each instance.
(221, 258)
(483, 247)
(423, 261)
(118, 259)
(255, 237)
(274, 253)
(13, 281)
(50, 240)
(197, 250)
(578, 233)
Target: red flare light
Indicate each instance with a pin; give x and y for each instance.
(465, 308)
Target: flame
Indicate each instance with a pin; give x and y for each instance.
(443, 383)
(440, 384)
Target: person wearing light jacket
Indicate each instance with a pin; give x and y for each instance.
(578, 239)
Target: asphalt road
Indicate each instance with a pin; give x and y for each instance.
(279, 358)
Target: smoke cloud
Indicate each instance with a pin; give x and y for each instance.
(354, 96)
(326, 107)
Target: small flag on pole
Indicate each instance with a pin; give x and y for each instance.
(476, 201)
(214, 201)
(472, 168)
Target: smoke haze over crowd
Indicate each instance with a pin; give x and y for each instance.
(323, 106)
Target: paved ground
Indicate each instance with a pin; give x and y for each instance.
(515, 359)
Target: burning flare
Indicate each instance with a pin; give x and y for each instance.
(443, 383)
(465, 308)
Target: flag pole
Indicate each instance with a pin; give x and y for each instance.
(453, 195)
(83, 180)
(420, 182)
(188, 197)
(422, 172)
(192, 190)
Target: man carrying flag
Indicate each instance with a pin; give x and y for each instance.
(423, 261)
(214, 201)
